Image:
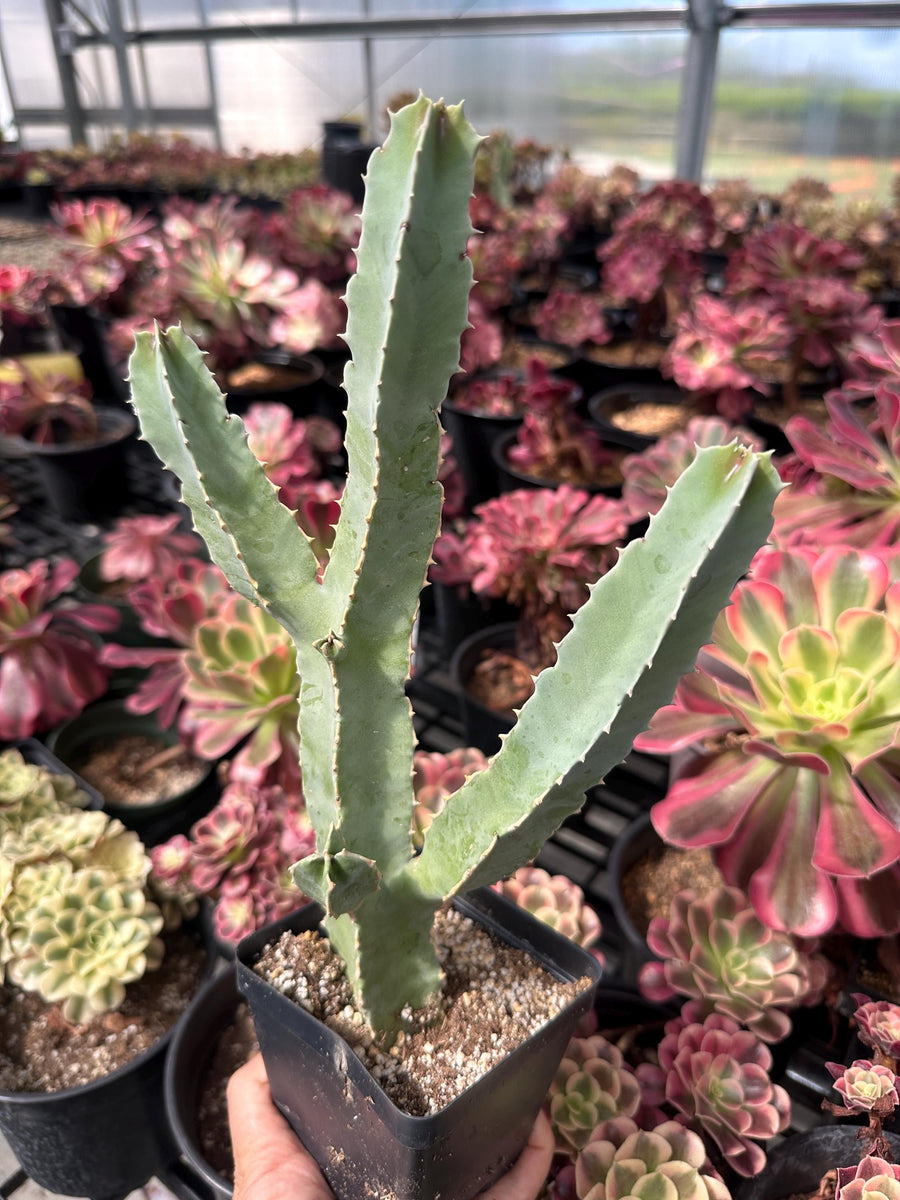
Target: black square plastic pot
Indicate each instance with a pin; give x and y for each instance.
(364, 1145)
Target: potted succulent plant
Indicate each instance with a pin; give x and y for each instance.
(793, 710)
(148, 779)
(844, 487)
(230, 680)
(133, 549)
(238, 857)
(481, 410)
(867, 1089)
(652, 261)
(77, 446)
(807, 280)
(318, 232)
(86, 960)
(407, 305)
(20, 309)
(554, 444)
(539, 550)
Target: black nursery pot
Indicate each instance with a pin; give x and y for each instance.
(300, 395)
(39, 755)
(796, 1166)
(473, 434)
(458, 613)
(85, 327)
(606, 404)
(192, 1047)
(155, 822)
(85, 482)
(512, 478)
(362, 1142)
(482, 726)
(129, 631)
(636, 839)
(101, 1139)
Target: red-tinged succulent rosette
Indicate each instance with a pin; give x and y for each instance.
(795, 708)
(853, 497)
(49, 669)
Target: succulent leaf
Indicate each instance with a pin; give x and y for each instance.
(620, 1160)
(540, 774)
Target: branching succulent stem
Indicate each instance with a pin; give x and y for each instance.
(407, 309)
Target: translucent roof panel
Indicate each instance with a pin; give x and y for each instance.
(414, 8)
(275, 94)
(176, 75)
(814, 102)
(604, 96)
(28, 48)
(254, 12)
(161, 14)
(98, 79)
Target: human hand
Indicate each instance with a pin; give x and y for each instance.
(270, 1162)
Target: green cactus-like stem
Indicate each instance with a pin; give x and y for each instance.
(630, 643)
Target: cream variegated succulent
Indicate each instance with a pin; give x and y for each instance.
(76, 923)
(86, 938)
(28, 791)
(81, 838)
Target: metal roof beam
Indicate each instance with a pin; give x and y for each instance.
(415, 27)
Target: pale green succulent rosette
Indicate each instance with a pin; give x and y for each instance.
(76, 925)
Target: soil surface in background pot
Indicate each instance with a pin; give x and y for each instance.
(640, 355)
(266, 377)
(134, 769)
(494, 998)
(652, 418)
(653, 879)
(601, 475)
(41, 1052)
(500, 681)
(517, 355)
(236, 1046)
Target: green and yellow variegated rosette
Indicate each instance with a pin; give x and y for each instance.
(76, 925)
(795, 707)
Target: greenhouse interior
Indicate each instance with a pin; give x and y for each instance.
(375, 375)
